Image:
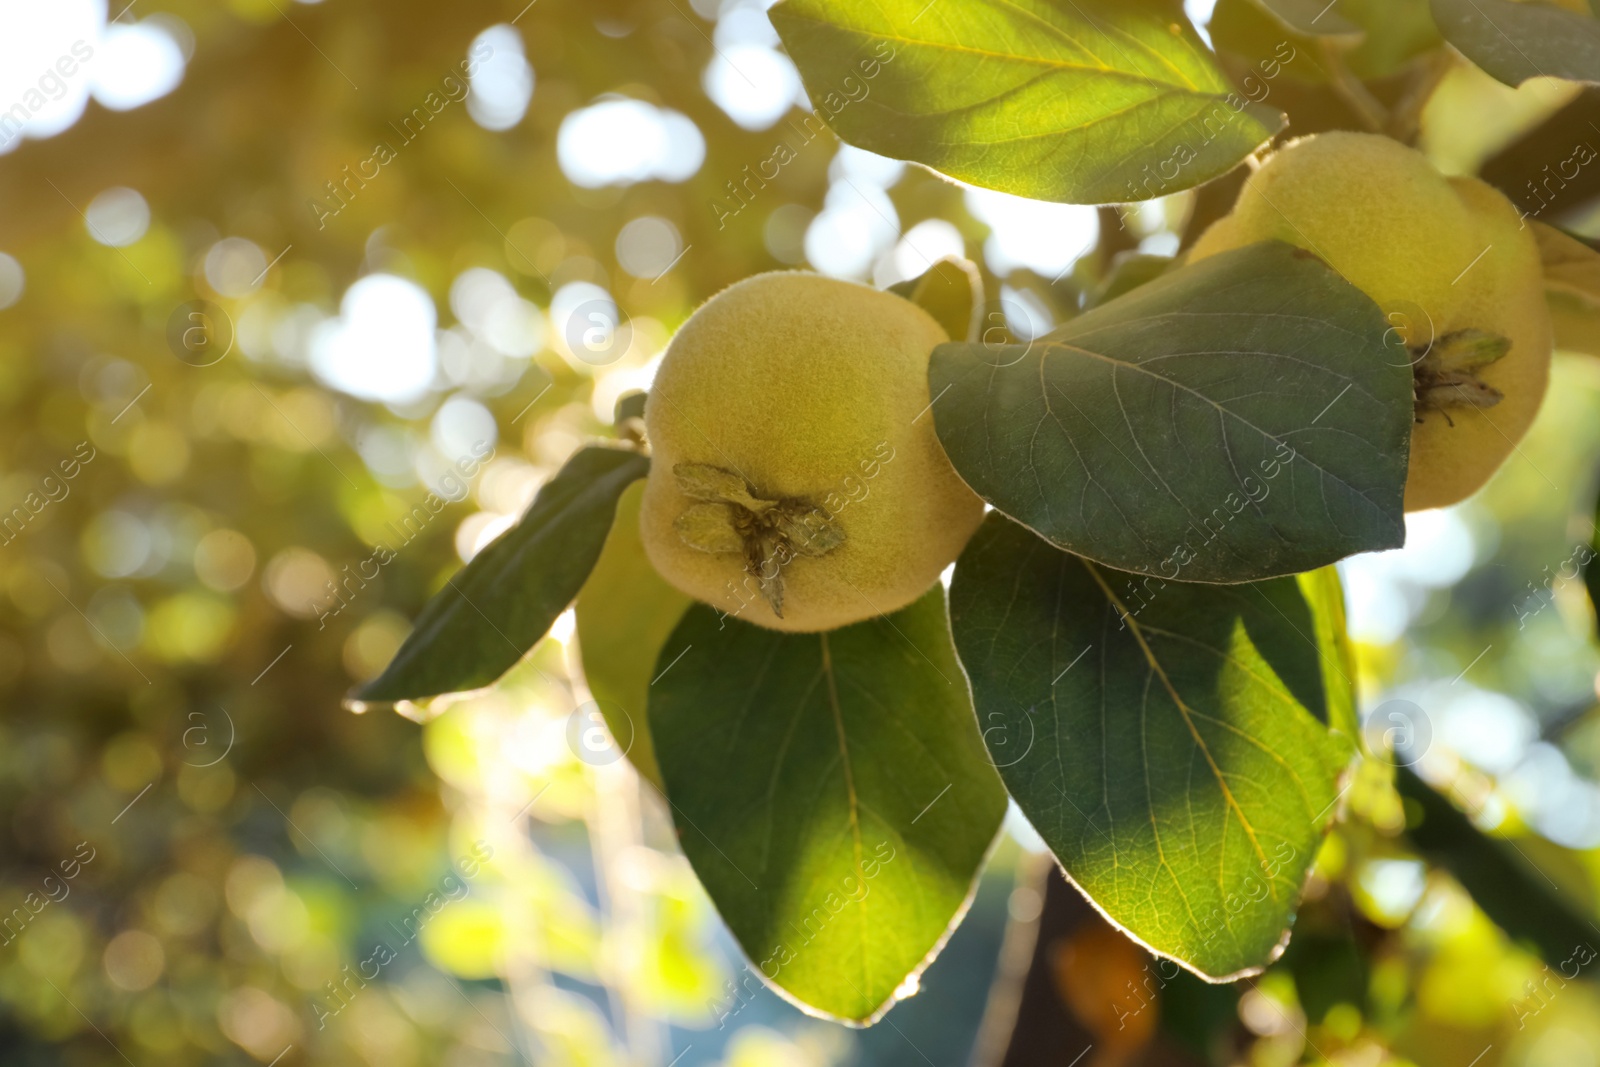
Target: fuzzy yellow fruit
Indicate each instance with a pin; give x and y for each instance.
(1448, 260)
(796, 480)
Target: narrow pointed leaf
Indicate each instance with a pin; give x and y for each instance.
(1093, 102)
(1514, 41)
(831, 792)
(1235, 419)
(1517, 896)
(500, 604)
(1169, 742)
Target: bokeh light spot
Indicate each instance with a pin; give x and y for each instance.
(502, 83)
(117, 217)
(647, 246)
(618, 141)
(382, 345)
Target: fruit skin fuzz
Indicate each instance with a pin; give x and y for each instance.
(796, 480)
(1454, 270)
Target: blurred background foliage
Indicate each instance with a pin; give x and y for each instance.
(242, 348)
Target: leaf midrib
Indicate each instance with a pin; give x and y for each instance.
(1184, 712)
(852, 798)
(1013, 57)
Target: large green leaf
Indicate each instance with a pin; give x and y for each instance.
(1177, 757)
(501, 603)
(1517, 41)
(832, 793)
(1097, 101)
(625, 613)
(1235, 419)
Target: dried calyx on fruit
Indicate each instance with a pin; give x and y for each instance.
(765, 533)
(796, 479)
(1452, 266)
(1446, 372)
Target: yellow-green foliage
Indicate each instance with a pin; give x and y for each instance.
(625, 613)
(1439, 255)
(808, 389)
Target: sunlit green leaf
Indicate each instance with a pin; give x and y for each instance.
(1167, 740)
(1325, 596)
(1235, 419)
(832, 793)
(502, 602)
(1099, 101)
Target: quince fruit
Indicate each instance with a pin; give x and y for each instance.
(1452, 266)
(796, 480)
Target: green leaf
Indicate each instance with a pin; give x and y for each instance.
(1129, 270)
(1591, 569)
(1516, 41)
(1397, 31)
(1392, 34)
(499, 605)
(1092, 102)
(1510, 890)
(1572, 288)
(1168, 741)
(1256, 41)
(1235, 419)
(1570, 265)
(625, 613)
(831, 792)
(628, 406)
(952, 292)
(1329, 969)
(1311, 18)
(1325, 596)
